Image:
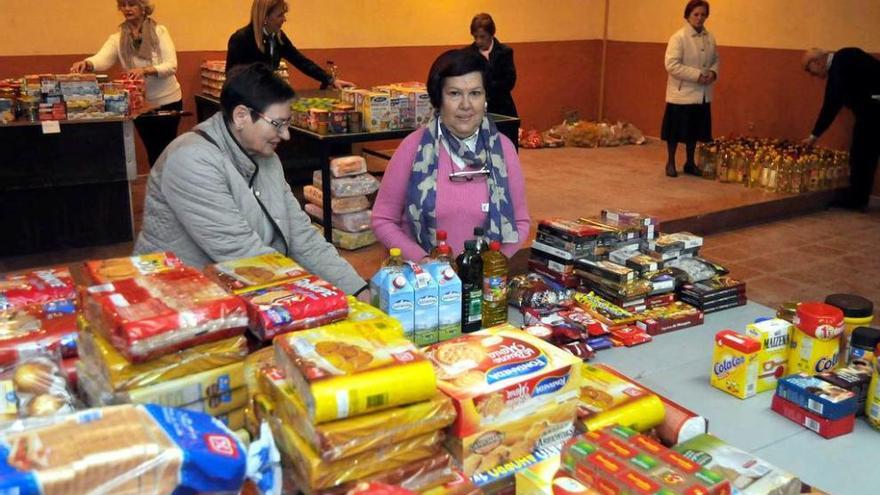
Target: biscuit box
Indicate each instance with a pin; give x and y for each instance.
(735, 364)
(245, 274)
(548, 426)
(748, 474)
(501, 479)
(819, 396)
(351, 368)
(619, 460)
(377, 112)
(856, 378)
(501, 373)
(298, 304)
(827, 428)
(774, 335)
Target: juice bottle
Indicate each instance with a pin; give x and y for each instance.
(441, 241)
(470, 271)
(494, 286)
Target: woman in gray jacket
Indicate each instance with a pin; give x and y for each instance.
(218, 193)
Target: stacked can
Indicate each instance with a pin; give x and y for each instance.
(857, 312)
(815, 340)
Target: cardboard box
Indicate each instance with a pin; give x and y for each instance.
(377, 112)
(827, 428)
(774, 336)
(819, 396)
(735, 364)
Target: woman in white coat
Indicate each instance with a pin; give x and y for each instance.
(692, 65)
(145, 50)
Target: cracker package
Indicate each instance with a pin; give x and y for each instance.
(354, 367)
(164, 450)
(46, 292)
(298, 304)
(23, 333)
(315, 473)
(409, 478)
(111, 270)
(120, 374)
(501, 374)
(748, 475)
(346, 437)
(608, 397)
(147, 317)
(617, 459)
(241, 275)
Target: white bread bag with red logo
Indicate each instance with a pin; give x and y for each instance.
(129, 450)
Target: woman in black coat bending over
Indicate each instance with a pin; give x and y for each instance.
(263, 41)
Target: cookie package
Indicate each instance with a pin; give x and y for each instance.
(111, 270)
(249, 273)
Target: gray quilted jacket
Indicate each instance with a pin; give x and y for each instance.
(200, 207)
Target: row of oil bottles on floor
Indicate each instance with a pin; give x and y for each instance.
(442, 296)
(774, 165)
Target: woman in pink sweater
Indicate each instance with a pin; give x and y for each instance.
(456, 173)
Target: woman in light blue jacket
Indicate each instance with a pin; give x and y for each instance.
(692, 65)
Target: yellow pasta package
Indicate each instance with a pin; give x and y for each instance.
(351, 368)
(317, 474)
(347, 437)
(500, 374)
(121, 374)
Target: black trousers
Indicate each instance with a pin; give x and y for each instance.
(157, 131)
(863, 155)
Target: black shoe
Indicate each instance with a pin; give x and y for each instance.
(670, 170)
(691, 169)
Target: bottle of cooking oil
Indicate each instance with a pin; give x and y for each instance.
(494, 286)
(470, 271)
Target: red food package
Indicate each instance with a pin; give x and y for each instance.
(298, 304)
(110, 270)
(586, 321)
(46, 292)
(373, 488)
(147, 317)
(22, 333)
(629, 335)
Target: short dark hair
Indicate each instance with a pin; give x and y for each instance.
(692, 4)
(483, 21)
(254, 86)
(453, 63)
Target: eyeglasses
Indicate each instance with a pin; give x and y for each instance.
(468, 175)
(279, 125)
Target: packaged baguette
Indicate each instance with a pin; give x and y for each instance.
(148, 317)
(249, 273)
(357, 221)
(347, 437)
(121, 374)
(345, 166)
(354, 367)
(315, 474)
(129, 450)
(297, 304)
(350, 204)
(110, 270)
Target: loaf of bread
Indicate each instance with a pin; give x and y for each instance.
(348, 165)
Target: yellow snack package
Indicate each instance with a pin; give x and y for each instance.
(351, 368)
(347, 437)
(608, 398)
(121, 374)
(192, 388)
(735, 364)
(234, 419)
(245, 274)
(317, 474)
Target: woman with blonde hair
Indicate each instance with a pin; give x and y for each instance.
(262, 40)
(144, 49)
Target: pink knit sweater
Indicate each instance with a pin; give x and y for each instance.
(459, 204)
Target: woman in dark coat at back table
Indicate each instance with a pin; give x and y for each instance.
(502, 72)
(271, 45)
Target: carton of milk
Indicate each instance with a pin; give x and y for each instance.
(774, 335)
(449, 299)
(393, 294)
(377, 112)
(425, 311)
